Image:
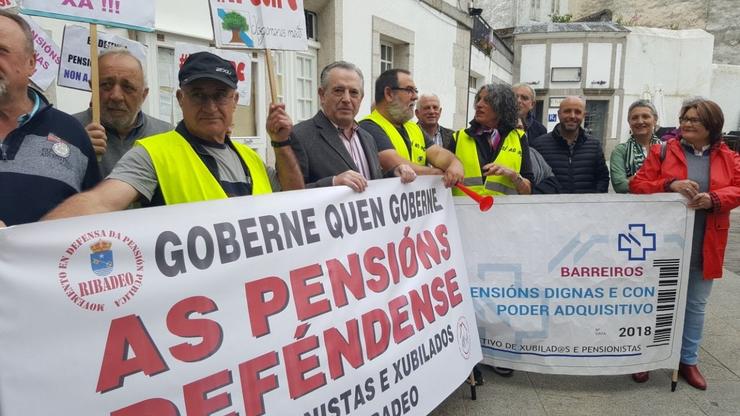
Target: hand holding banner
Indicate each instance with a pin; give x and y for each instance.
(244, 305)
(244, 25)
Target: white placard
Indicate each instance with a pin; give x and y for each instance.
(306, 302)
(279, 24)
(74, 70)
(48, 55)
(579, 284)
(128, 14)
(242, 62)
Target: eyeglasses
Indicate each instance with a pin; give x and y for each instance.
(690, 120)
(410, 90)
(219, 97)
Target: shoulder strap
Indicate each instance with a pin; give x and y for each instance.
(663, 149)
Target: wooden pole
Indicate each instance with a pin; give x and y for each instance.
(674, 380)
(94, 81)
(271, 76)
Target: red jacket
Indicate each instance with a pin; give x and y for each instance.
(724, 189)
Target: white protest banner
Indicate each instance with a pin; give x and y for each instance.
(276, 24)
(313, 302)
(242, 64)
(579, 284)
(127, 14)
(48, 55)
(74, 70)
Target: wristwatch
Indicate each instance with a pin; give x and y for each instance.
(280, 144)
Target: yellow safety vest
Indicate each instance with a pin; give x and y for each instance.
(509, 156)
(182, 175)
(418, 146)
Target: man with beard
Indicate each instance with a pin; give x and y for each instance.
(576, 159)
(123, 90)
(401, 141)
(332, 150)
(45, 155)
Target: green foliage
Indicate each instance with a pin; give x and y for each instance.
(565, 18)
(235, 21)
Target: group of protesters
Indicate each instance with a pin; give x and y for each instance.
(52, 163)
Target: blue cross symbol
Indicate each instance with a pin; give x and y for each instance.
(637, 242)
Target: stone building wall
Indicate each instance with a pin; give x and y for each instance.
(721, 18)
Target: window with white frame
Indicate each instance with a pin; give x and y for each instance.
(306, 80)
(555, 7)
(297, 81)
(386, 56)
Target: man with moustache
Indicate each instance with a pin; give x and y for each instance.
(45, 155)
(576, 159)
(123, 90)
(331, 148)
(401, 141)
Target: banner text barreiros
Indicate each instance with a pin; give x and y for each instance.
(127, 14)
(249, 306)
(604, 295)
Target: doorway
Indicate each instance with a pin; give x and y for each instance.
(596, 117)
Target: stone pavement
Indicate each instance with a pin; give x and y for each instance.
(541, 394)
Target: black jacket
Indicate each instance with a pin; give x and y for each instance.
(582, 170)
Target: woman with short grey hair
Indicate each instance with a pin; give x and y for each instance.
(628, 157)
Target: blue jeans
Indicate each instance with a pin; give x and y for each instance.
(697, 295)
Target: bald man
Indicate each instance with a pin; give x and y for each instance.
(123, 90)
(428, 111)
(576, 159)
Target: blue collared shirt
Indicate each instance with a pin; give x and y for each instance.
(24, 118)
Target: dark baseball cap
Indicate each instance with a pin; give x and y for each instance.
(202, 65)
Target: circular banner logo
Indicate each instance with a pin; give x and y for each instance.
(101, 270)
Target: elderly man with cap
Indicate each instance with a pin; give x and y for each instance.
(123, 90)
(196, 161)
(45, 155)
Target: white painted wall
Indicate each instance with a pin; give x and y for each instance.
(599, 65)
(532, 68)
(567, 55)
(434, 36)
(725, 90)
(667, 66)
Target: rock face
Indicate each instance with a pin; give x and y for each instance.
(721, 18)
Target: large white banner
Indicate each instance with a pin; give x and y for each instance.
(128, 14)
(242, 62)
(74, 70)
(579, 284)
(276, 24)
(48, 55)
(312, 302)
